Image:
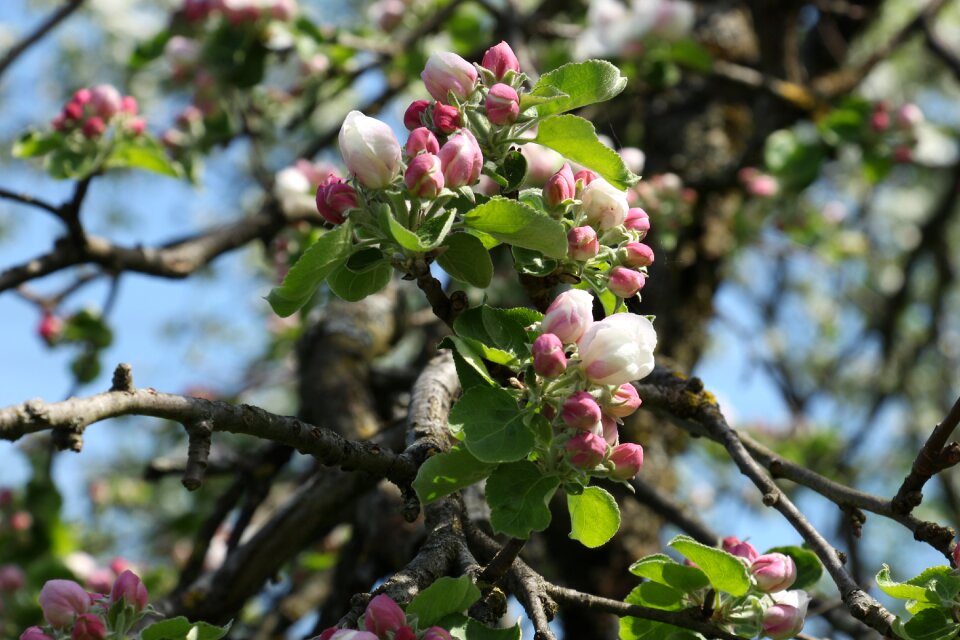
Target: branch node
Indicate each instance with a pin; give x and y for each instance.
(490, 608)
(198, 451)
(122, 378)
(770, 499)
(68, 438)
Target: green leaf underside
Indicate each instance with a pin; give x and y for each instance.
(594, 516)
(725, 571)
(576, 139)
(467, 260)
(470, 367)
(444, 473)
(495, 328)
(464, 628)
(442, 598)
(353, 286)
(520, 225)
(519, 497)
(929, 624)
(182, 629)
(808, 564)
(313, 267)
(492, 425)
(583, 83)
(665, 570)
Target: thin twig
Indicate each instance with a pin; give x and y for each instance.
(935, 456)
(37, 34)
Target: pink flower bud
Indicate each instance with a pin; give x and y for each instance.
(370, 150)
(586, 450)
(348, 634)
(618, 349)
(129, 588)
(446, 118)
(607, 429)
(94, 127)
(625, 401)
(627, 459)
(59, 122)
(196, 10)
(763, 186)
(72, 111)
(461, 160)
(50, 327)
(326, 634)
(569, 316)
(585, 176)
(424, 176)
(774, 572)
(88, 627)
(383, 615)
(902, 154)
(785, 618)
(637, 220)
(6, 497)
(560, 186)
(81, 96)
(580, 411)
(636, 254)
(446, 72)
(136, 126)
(405, 633)
(335, 199)
(437, 633)
(420, 140)
(21, 520)
(955, 554)
(605, 206)
(129, 106)
(502, 104)
(499, 59)
(63, 600)
(11, 578)
(741, 549)
(880, 120)
(549, 360)
(100, 580)
(118, 565)
(625, 282)
(105, 100)
(34, 633)
(283, 10)
(909, 116)
(413, 116)
(582, 243)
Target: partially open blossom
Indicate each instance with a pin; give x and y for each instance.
(637, 220)
(585, 176)
(34, 633)
(909, 116)
(499, 59)
(424, 176)
(370, 150)
(88, 627)
(625, 401)
(105, 100)
(627, 458)
(502, 104)
(63, 600)
(560, 186)
(420, 140)
(582, 243)
(11, 578)
(383, 615)
(625, 282)
(569, 316)
(94, 127)
(334, 199)
(413, 116)
(446, 72)
(461, 159)
(549, 360)
(580, 411)
(618, 349)
(784, 619)
(604, 205)
(437, 633)
(774, 572)
(586, 450)
(740, 548)
(637, 254)
(446, 118)
(129, 588)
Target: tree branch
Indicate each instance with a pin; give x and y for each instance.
(934, 457)
(37, 34)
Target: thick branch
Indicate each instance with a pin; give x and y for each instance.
(934, 457)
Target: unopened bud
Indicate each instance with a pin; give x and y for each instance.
(637, 220)
(445, 73)
(424, 176)
(334, 200)
(625, 282)
(625, 401)
(502, 104)
(740, 548)
(421, 140)
(383, 615)
(581, 411)
(461, 159)
(636, 254)
(499, 59)
(774, 572)
(413, 116)
(582, 243)
(446, 118)
(627, 459)
(569, 316)
(559, 187)
(586, 450)
(549, 360)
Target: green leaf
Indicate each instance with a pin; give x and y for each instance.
(470, 367)
(443, 597)
(641, 629)
(467, 260)
(444, 473)
(532, 262)
(37, 143)
(65, 163)
(594, 516)
(182, 629)
(353, 286)
(520, 225)
(547, 94)
(493, 327)
(583, 82)
(89, 327)
(725, 571)
(523, 315)
(514, 170)
(899, 590)
(808, 564)
(313, 267)
(149, 50)
(434, 230)
(463, 628)
(656, 595)
(576, 139)
(665, 570)
(493, 425)
(519, 498)
(796, 162)
(142, 152)
(929, 624)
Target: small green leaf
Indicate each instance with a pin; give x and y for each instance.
(656, 595)
(514, 170)
(576, 139)
(899, 590)
(795, 161)
(532, 262)
(313, 267)
(464, 628)
(492, 424)
(142, 152)
(808, 564)
(594, 516)
(353, 286)
(443, 597)
(665, 570)
(444, 473)
(470, 367)
(182, 629)
(929, 624)
(495, 328)
(519, 498)
(725, 571)
(520, 225)
(36, 143)
(583, 82)
(149, 50)
(467, 260)
(547, 94)
(65, 163)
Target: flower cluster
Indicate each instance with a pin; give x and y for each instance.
(239, 11)
(896, 129)
(383, 619)
(69, 608)
(91, 111)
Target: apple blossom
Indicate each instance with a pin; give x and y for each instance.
(421, 139)
(63, 600)
(34, 633)
(586, 450)
(499, 59)
(637, 220)
(437, 633)
(502, 104)
(446, 118)
(549, 360)
(625, 282)
(105, 101)
(618, 349)
(129, 588)
(424, 176)
(740, 548)
(624, 402)
(909, 116)
(461, 159)
(580, 411)
(634, 159)
(446, 72)
(129, 105)
(335, 199)
(607, 429)
(560, 187)
(12, 578)
(413, 116)
(383, 615)
(582, 243)
(627, 459)
(94, 127)
(569, 316)
(370, 150)
(88, 627)
(605, 206)
(585, 176)
(774, 572)
(784, 619)
(637, 254)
